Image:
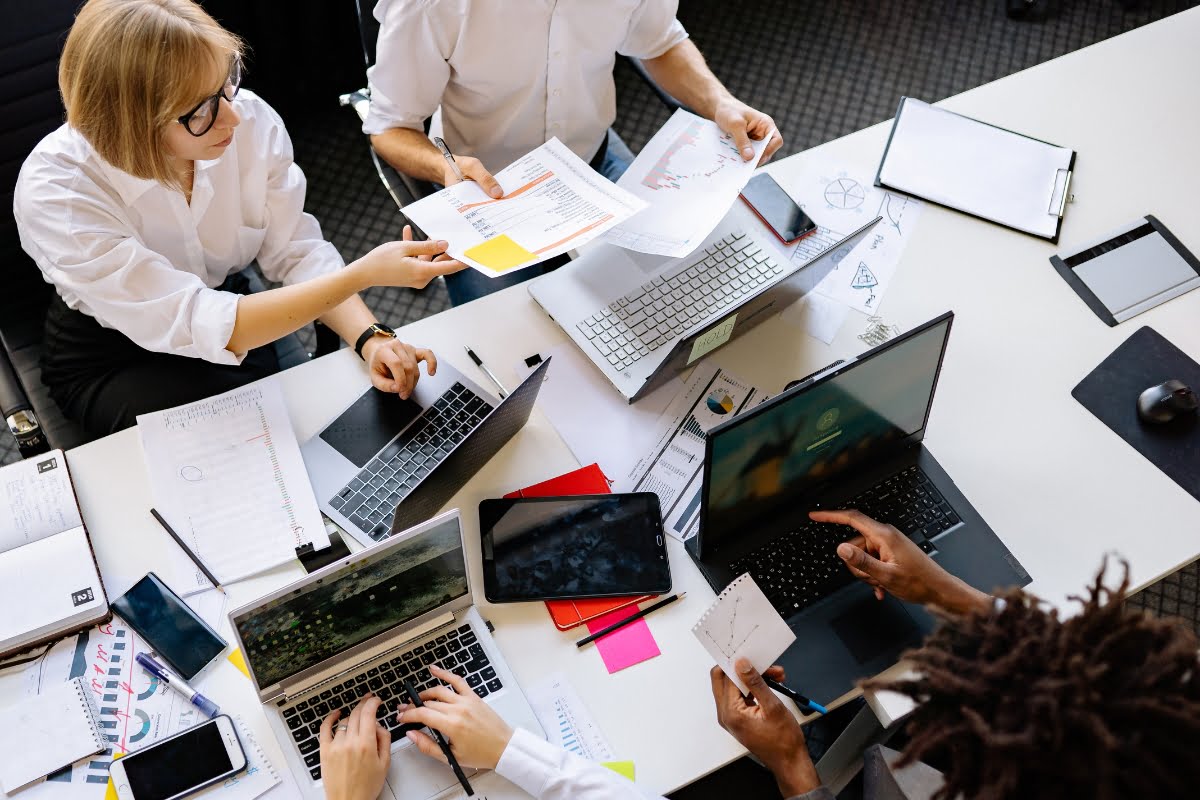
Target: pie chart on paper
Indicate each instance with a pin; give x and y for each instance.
(719, 402)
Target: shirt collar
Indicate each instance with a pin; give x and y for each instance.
(131, 188)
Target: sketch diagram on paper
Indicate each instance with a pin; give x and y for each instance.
(742, 623)
(732, 634)
(845, 193)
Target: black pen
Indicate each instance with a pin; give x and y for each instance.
(629, 619)
(800, 700)
(187, 550)
(415, 699)
(479, 363)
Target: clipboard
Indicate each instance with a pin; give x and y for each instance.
(977, 168)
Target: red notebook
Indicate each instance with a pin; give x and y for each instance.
(568, 614)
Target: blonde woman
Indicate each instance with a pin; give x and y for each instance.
(145, 207)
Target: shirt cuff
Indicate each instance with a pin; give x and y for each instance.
(529, 762)
(212, 322)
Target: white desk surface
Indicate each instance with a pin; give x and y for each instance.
(1057, 486)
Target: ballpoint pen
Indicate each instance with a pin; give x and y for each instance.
(446, 154)
(800, 700)
(415, 699)
(178, 684)
(479, 363)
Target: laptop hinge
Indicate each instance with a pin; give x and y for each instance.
(332, 674)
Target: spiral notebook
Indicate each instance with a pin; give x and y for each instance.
(48, 732)
(742, 623)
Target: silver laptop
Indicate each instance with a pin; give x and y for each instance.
(367, 623)
(385, 464)
(643, 318)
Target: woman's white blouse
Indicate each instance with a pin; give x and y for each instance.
(137, 257)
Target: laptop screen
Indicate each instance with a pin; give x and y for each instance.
(780, 453)
(368, 597)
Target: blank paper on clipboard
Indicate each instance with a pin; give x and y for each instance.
(971, 166)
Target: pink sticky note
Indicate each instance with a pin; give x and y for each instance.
(625, 646)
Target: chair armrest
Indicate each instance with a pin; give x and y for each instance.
(19, 418)
(667, 99)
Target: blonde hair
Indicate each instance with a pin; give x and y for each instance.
(130, 68)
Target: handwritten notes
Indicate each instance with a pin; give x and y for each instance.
(226, 473)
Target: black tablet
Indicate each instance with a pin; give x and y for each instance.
(568, 548)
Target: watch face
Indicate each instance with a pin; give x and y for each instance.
(379, 327)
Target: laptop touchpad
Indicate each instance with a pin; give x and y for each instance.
(365, 427)
(871, 628)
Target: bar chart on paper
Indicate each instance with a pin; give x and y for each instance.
(226, 472)
(566, 720)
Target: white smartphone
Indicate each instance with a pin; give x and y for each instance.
(181, 764)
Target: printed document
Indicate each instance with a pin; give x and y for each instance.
(689, 174)
(226, 473)
(567, 721)
(553, 203)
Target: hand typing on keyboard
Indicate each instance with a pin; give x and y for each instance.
(888, 560)
(477, 734)
(354, 761)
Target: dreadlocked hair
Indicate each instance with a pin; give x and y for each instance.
(1018, 703)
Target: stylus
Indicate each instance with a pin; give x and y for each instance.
(441, 742)
(187, 550)
(178, 684)
(479, 363)
(632, 618)
(800, 700)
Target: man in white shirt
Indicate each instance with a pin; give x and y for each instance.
(507, 77)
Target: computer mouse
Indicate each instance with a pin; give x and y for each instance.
(1166, 401)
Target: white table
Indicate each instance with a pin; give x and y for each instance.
(1053, 481)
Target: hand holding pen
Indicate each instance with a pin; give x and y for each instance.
(465, 168)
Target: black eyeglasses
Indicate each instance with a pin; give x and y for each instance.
(200, 119)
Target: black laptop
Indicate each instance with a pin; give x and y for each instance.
(849, 437)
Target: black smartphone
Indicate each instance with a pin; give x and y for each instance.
(181, 764)
(777, 209)
(175, 632)
(568, 548)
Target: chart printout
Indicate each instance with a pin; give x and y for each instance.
(553, 202)
(689, 174)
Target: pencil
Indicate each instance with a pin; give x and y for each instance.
(195, 558)
(629, 619)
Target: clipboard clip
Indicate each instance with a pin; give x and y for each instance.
(1059, 197)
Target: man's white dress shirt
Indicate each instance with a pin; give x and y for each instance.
(510, 75)
(137, 257)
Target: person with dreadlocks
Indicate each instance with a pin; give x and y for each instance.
(1012, 700)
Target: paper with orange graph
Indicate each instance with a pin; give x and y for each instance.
(553, 203)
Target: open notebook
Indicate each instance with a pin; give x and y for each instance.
(977, 168)
(45, 733)
(49, 583)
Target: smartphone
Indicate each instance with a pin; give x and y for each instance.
(777, 209)
(181, 764)
(176, 633)
(566, 548)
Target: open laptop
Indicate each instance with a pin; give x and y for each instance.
(850, 437)
(385, 464)
(643, 318)
(365, 624)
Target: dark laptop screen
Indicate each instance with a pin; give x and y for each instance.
(370, 596)
(777, 454)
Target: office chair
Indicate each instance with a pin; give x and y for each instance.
(32, 33)
(404, 189)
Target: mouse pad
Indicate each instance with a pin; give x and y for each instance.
(1111, 391)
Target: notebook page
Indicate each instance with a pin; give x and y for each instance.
(742, 623)
(43, 733)
(67, 591)
(36, 500)
(974, 167)
(227, 474)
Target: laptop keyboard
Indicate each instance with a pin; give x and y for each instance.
(369, 500)
(658, 312)
(457, 650)
(802, 566)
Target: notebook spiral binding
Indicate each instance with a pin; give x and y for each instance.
(728, 590)
(93, 713)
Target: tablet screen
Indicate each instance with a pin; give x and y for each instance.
(573, 547)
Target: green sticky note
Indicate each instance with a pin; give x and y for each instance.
(621, 768)
(713, 338)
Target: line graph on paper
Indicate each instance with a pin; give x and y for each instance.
(731, 635)
(689, 157)
(742, 623)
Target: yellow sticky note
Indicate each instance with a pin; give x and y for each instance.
(713, 338)
(238, 660)
(110, 793)
(621, 768)
(500, 253)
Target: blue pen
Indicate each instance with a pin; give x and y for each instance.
(800, 700)
(178, 684)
